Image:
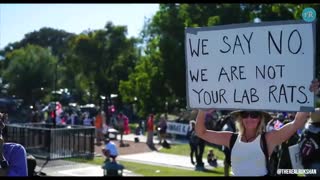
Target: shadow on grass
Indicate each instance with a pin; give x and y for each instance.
(215, 171)
(152, 147)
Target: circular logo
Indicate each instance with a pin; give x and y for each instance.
(309, 14)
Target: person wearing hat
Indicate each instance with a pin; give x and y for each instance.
(310, 142)
(13, 156)
(111, 166)
(110, 150)
(247, 156)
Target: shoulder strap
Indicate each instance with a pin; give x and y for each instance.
(232, 140)
(265, 151)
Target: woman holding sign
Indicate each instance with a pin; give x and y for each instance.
(248, 155)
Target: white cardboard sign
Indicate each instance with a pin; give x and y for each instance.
(262, 66)
(295, 156)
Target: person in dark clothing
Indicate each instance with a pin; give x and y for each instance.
(162, 129)
(31, 163)
(211, 158)
(283, 155)
(309, 144)
(199, 154)
(197, 146)
(227, 124)
(192, 141)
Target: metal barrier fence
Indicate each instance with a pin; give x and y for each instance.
(43, 141)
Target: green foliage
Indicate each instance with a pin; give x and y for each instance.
(317, 102)
(213, 20)
(133, 127)
(165, 51)
(45, 37)
(105, 61)
(140, 85)
(103, 58)
(30, 69)
(165, 35)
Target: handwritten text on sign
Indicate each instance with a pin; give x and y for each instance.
(262, 66)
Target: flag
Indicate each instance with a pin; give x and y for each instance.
(278, 124)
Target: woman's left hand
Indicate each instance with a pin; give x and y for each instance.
(314, 87)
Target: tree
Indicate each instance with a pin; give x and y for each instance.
(165, 31)
(30, 69)
(103, 58)
(55, 40)
(46, 37)
(146, 83)
(165, 35)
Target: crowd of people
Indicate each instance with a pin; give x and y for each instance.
(306, 135)
(255, 143)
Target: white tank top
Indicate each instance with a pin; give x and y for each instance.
(247, 159)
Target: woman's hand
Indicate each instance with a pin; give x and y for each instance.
(314, 87)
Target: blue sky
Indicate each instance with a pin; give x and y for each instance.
(18, 19)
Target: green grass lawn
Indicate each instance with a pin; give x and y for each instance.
(152, 170)
(184, 149)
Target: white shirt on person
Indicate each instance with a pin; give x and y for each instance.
(247, 158)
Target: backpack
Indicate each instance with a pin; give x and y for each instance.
(264, 148)
(309, 148)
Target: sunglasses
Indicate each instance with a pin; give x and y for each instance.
(252, 114)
